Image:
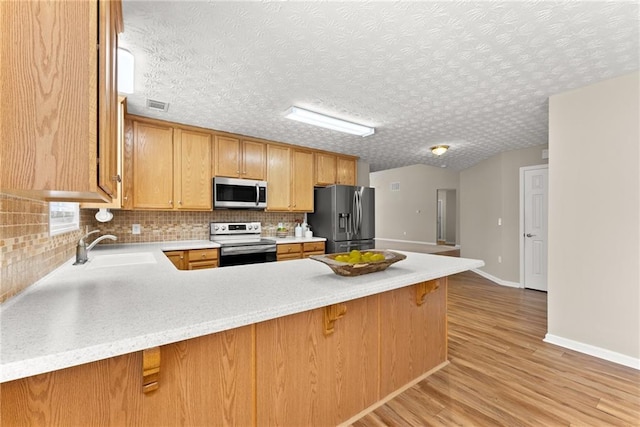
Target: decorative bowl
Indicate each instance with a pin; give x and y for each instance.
(346, 269)
(282, 233)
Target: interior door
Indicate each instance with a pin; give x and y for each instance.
(535, 228)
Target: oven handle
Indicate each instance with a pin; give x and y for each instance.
(252, 249)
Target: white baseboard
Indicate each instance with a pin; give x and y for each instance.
(497, 279)
(592, 350)
(416, 242)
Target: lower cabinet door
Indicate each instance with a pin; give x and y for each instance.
(307, 378)
(205, 381)
(413, 337)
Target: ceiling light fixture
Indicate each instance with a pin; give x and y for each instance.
(317, 119)
(439, 150)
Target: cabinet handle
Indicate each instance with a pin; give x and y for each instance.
(126, 197)
(180, 202)
(170, 202)
(116, 178)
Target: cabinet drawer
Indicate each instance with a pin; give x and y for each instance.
(287, 257)
(199, 265)
(289, 248)
(313, 247)
(308, 254)
(202, 254)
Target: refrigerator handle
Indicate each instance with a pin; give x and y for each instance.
(354, 210)
(359, 212)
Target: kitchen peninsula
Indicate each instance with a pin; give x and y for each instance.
(283, 343)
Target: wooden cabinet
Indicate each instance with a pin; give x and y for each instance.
(170, 168)
(413, 338)
(289, 179)
(177, 258)
(238, 158)
(202, 381)
(194, 259)
(312, 248)
(278, 178)
(59, 109)
(307, 378)
(192, 170)
(198, 259)
(346, 170)
(117, 201)
(302, 181)
(332, 169)
(325, 169)
(152, 166)
(287, 251)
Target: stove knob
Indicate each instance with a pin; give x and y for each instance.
(224, 227)
(250, 227)
(216, 227)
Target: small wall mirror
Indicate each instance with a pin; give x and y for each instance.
(446, 217)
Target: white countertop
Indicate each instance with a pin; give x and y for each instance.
(81, 314)
(282, 240)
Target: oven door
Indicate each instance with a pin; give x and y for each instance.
(247, 254)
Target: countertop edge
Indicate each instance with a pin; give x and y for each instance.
(55, 361)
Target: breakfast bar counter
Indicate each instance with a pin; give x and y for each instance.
(130, 298)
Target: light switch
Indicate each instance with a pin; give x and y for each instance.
(135, 229)
(499, 221)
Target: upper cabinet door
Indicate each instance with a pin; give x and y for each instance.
(278, 178)
(325, 169)
(227, 157)
(152, 166)
(302, 181)
(55, 126)
(254, 160)
(193, 170)
(346, 171)
(110, 23)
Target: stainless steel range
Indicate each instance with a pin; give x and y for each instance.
(241, 243)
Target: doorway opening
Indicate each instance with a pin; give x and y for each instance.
(446, 217)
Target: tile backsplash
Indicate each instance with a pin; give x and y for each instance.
(158, 226)
(27, 252)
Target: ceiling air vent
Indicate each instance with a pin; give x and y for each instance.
(157, 105)
(395, 186)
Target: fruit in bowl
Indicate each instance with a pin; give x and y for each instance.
(356, 257)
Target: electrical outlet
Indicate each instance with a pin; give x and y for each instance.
(499, 221)
(499, 259)
(135, 229)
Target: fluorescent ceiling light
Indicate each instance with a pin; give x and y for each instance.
(309, 117)
(125, 71)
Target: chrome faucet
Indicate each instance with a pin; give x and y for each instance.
(82, 249)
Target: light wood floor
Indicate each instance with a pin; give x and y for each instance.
(502, 373)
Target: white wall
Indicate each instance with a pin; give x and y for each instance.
(362, 170)
(409, 214)
(594, 219)
(488, 191)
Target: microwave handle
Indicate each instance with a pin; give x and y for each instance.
(257, 194)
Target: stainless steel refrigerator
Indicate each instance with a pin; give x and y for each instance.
(345, 216)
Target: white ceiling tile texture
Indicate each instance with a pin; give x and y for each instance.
(473, 75)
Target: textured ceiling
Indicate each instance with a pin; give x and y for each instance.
(473, 75)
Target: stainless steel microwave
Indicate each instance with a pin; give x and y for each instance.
(235, 193)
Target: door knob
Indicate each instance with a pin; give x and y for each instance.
(530, 235)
